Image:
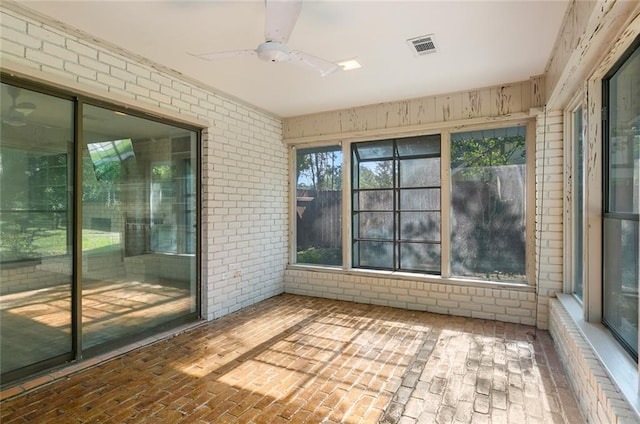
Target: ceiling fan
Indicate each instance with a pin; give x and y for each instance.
(17, 112)
(280, 18)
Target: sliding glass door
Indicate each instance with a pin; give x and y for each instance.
(36, 182)
(120, 268)
(138, 261)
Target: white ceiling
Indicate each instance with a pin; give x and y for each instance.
(480, 43)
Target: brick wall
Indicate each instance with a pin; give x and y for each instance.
(598, 397)
(501, 302)
(508, 304)
(244, 185)
(49, 272)
(549, 210)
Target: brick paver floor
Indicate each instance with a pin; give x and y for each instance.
(294, 359)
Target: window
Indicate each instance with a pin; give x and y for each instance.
(577, 205)
(396, 204)
(488, 193)
(319, 206)
(142, 164)
(400, 219)
(620, 241)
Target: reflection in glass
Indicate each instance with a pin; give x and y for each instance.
(382, 149)
(420, 172)
(378, 200)
(376, 225)
(375, 254)
(621, 259)
(418, 146)
(138, 243)
(36, 163)
(420, 199)
(420, 226)
(420, 257)
(620, 263)
(488, 192)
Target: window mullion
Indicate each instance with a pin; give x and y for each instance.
(347, 207)
(395, 169)
(445, 202)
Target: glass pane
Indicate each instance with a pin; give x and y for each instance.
(319, 205)
(624, 138)
(36, 224)
(416, 146)
(376, 225)
(378, 200)
(578, 187)
(138, 235)
(191, 200)
(621, 279)
(413, 199)
(162, 199)
(622, 181)
(420, 199)
(488, 204)
(382, 149)
(420, 257)
(375, 174)
(375, 254)
(420, 226)
(420, 172)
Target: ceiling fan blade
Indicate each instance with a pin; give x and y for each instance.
(225, 55)
(312, 62)
(280, 18)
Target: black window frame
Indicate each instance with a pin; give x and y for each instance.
(396, 210)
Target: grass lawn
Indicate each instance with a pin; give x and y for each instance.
(54, 242)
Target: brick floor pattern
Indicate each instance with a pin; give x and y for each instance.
(295, 359)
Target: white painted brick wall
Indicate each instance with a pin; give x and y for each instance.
(549, 209)
(598, 398)
(245, 182)
(504, 304)
(244, 169)
(477, 302)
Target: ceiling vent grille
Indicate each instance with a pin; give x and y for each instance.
(422, 45)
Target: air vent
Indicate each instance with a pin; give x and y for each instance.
(422, 45)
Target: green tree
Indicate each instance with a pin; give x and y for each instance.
(477, 155)
(488, 237)
(319, 170)
(381, 176)
(101, 183)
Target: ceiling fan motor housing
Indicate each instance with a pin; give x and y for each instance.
(272, 51)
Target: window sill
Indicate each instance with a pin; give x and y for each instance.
(409, 276)
(620, 367)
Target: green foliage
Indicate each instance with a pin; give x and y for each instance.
(320, 256)
(18, 240)
(488, 238)
(476, 155)
(162, 173)
(319, 170)
(104, 189)
(381, 176)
